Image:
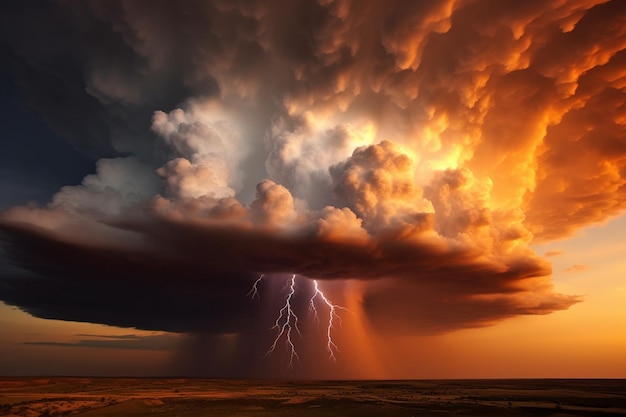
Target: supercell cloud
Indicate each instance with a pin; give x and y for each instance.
(416, 148)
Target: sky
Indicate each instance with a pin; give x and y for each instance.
(313, 189)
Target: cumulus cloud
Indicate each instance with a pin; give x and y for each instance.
(117, 184)
(302, 147)
(200, 146)
(418, 147)
(377, 182)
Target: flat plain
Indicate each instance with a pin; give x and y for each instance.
(99, 397)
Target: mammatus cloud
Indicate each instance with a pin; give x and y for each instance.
(415, 147)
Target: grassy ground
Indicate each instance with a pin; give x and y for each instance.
(100, 397)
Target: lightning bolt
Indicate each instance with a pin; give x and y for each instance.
(287, 320)
(331, 346)
(283, 324)
(312, 307)
(254, 291)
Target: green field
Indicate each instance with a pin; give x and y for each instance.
(97, 397)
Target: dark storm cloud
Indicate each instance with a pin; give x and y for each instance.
(418, 147)
(76, 66)
(122, 288)
(193, 276)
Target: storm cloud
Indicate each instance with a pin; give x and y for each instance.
(417, 148)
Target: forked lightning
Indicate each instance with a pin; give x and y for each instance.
(332, 314)
(287, 320)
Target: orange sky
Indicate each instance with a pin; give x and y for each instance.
(453, 173)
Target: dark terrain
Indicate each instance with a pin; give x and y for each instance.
(203, 397)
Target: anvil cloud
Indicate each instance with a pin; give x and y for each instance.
(415, 147)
